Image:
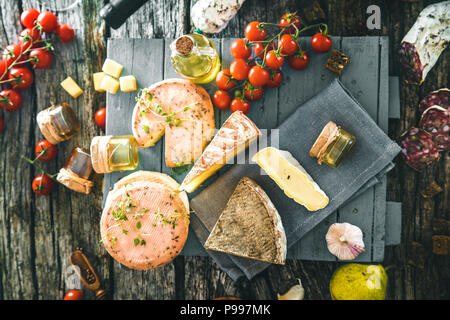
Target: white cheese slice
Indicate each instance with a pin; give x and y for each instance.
(128, 84)
(98, 77)
(109, 84)
(71, 87)
(292, 178)
(112, 68)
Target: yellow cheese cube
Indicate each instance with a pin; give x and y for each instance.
(98, 77)
(112, 68)
(128, 83)
(71, 87)
(109, 84)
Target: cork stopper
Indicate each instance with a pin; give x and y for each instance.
(184, 45)
(327, 136)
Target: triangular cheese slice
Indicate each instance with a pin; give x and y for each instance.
(235, 135)
(249, 226)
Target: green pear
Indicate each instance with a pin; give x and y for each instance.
(359, 282)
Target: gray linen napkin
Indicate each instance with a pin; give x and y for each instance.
(366, 163)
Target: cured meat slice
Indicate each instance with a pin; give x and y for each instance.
(182, 111)
(418, 148)
(249, 226)
(436, 121)
(439, 97)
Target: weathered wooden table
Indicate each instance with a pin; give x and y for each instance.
(37, 234)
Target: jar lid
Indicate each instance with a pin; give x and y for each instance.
(45, 125)
(99, 154)
(327, 136)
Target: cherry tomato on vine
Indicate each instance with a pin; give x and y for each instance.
(22, 78)
(2, 124)
(320, 43)
(238, 104)
(254, 32)
(221, 99)
(274, 60)
(239, 69)
(259, 48)
(45, 151)
(12, 52)
(100, 118)
(275, 79)
(28, 17)
(240, 49)
(288, 18)
(224, 80)
(74, 295)
(252, 93)
(10, 100)
(48, 21)
(258, 76)
(42, 185)
(3, 67)
(28, 36)
(298, 61)
(65, 33)
(288, 45)
(41, 58)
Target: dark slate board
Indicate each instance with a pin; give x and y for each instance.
(149, 61)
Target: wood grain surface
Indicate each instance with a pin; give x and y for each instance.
(37, 234)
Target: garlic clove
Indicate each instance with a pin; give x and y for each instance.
(296, 292)
(345, 241)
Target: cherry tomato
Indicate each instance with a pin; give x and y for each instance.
(10, 100)
(3, 67)
(254, 32)
(22, 78)
(12, 52)
(74, 295)
(258, 76)
(42, 185)
(65, 33)
(240, 49)
(224, 80)
(288, 18)
(321, 43)
(252, 93)
(274, 60)
(239, 69)
(28, 36)
(2, 124)
(100, 118)
(238, 104)
(259, 48)
(275, 79)
(221, 99)
(288, 45)
(28, 17)
(48, 21)
(45, 151)
(41, 58)
(298, 61)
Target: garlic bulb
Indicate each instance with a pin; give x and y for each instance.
(295, 293)
(345, 241)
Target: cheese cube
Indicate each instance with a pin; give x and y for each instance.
(98, 77)
(112, 68)
(128, 83)
(109, 84)
(71, 87)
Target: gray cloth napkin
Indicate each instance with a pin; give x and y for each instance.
(370, 159)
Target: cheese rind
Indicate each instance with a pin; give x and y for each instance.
(109, 84)
(98, 77)
(127, 83)
(292, 178)
(71, 87)
(112, 68)
(235, 135)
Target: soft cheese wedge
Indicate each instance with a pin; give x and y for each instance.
(249, 226)
(291, 177)
(235, 135)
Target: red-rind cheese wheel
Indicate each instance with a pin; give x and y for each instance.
(145, 223)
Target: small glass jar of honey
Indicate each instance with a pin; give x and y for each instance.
(332, 145)
(58, 123)
(77, 171)
(114, 153)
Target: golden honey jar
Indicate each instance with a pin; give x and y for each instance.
(114, 153)
(58, 123)
(332, 145)
(77, 171)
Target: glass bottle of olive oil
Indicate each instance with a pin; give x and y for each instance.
(195, 58)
